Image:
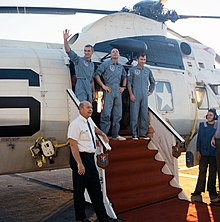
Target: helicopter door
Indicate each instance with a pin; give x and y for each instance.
(202, 98)
(202, 101)
(206, 99)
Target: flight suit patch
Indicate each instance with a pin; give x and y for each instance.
(137, 72)
(86, 63)
(112, 68)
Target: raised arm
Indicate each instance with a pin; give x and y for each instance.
(66, 35)
(72, 55)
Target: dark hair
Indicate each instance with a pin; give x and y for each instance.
(213, 110)
(141, 55)
(89, 46)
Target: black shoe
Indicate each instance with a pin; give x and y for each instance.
(109, 219)
(213, 194)
(112, 220)
(196, 193)
(216, 200)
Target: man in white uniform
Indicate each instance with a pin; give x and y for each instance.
(81, 135)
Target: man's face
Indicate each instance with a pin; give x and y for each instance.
(115, 54)
(86, 110)
(142, 61)
(88, 51)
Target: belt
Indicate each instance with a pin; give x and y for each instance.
(86, 153)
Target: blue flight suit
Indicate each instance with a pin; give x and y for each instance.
(112, 74)
(84, 74)
(138, 80)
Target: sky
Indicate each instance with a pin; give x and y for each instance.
(48, 28)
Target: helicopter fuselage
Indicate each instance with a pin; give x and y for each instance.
(34, 78)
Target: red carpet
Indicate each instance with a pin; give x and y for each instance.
(139, 191)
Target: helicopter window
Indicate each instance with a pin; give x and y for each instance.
(201, 65)
(215, 89)
(202, 99)
(161, 51)
(185, 48)
(164, 96)
(74, 38)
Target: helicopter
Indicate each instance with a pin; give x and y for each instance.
(34, 77)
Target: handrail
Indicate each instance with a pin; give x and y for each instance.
(167, 125)
(76, 101)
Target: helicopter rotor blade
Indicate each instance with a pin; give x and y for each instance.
(190, 39)
(50, 10)
(198, 16)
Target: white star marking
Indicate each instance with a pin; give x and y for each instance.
(166, 98)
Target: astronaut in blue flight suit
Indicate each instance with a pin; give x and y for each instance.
(139, 89)
(84, 68)
(113, 74)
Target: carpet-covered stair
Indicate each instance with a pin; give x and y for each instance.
(139, 191)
